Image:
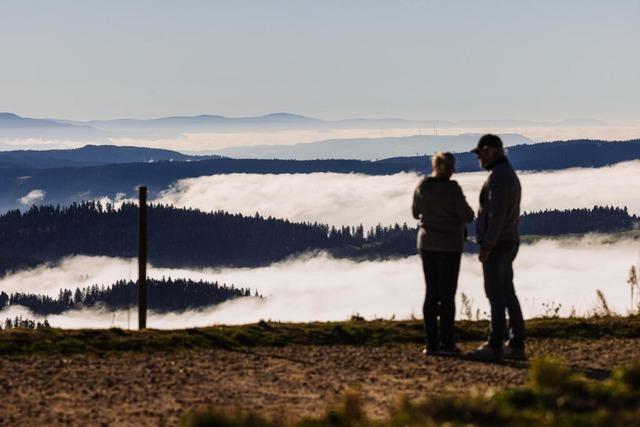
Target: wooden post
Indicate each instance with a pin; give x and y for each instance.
(142, 260)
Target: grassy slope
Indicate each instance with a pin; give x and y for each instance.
(556, 396)
(355, 332)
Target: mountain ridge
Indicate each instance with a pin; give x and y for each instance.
(298, 119)
(67, 184)
(367, 148)
(91, 155)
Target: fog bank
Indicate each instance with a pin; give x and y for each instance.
(351, 199)
(566, 272)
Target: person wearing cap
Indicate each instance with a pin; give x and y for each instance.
(497, 234)
(440, 205)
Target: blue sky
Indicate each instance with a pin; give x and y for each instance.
(542, 60)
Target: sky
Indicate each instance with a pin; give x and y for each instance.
(537, 60)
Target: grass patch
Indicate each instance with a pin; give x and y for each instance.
(554, 397)
(355, 332)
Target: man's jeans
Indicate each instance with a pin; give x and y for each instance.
(498, 285)
(441, 276)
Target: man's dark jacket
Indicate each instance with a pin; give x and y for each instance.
(499, 214)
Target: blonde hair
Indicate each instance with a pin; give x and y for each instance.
(443, 163)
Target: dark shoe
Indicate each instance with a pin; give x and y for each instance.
(486, 353)
(450, 350)
(514, 353)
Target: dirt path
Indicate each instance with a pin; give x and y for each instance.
(158, 388)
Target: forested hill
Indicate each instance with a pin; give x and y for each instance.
(555, 222)
(71, 184)
(582, 153)
(164, 295)
(89, 155)
(191, 238)
(64, 185)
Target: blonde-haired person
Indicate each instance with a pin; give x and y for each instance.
(440, 205)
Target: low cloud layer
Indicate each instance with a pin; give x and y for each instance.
(32, 197)
(208, 142)
(71, 273)
(331, 198)
(351, 199)
(566, 272)
(213, 141)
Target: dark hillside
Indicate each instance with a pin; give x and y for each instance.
(65, 185)
(191, 238)
(556, 155)
(89, 155)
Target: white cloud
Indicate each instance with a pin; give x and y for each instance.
(32, 197)
(325, 197)
(571, 188)
(566, 272)
(78, 271)
(350, 199)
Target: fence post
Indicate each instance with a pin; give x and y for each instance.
(142, 259)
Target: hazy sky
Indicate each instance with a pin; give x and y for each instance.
(542, 60)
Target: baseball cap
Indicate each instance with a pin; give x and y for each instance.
(488, 140)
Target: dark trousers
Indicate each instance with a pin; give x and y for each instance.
(441, 276)
(498, 285)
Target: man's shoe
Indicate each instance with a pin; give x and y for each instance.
(450, 350)
(486, 353)
(514, 353)
(430, 351)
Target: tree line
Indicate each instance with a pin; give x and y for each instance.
(599, 219)
(20, 323)
(165, 295)
(181, 237)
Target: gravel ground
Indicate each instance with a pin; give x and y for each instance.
(159, 388)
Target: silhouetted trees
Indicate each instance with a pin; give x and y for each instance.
(177, 237)
(603, 219)
(164, 295)
(556, 155)
(19, 323)
(191, 238)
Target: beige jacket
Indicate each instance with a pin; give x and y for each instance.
(443, 212)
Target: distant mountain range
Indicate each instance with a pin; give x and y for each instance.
(13, 121)
(13, 126)
(367, 148)
(42, 177)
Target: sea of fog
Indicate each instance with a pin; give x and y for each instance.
(549, 273)
(351, 199)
